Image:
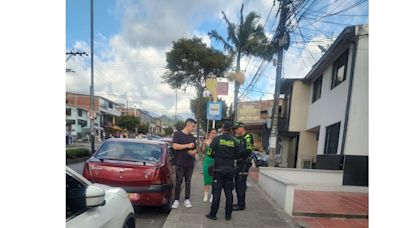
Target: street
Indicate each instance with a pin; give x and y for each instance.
(148, 217)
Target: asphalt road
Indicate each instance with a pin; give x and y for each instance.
(148, 217)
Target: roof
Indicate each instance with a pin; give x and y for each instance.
(335, 49)
(287, 83)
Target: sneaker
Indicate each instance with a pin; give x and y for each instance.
(205, 198)
(175, 204)
(187, 203)
(211, 198)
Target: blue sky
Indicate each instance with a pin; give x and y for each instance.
(131, 38)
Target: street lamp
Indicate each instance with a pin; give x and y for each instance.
(92, 133)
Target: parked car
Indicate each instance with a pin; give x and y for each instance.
(96, 205)
(142, 167)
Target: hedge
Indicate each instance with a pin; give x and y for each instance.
(77, 152)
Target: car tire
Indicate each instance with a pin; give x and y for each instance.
(167, 207)
(129, 222)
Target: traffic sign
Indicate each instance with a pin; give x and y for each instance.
(92, 114)
(214, 110)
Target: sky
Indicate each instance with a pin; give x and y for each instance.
(131, 38)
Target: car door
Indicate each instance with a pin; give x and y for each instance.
(78, 215)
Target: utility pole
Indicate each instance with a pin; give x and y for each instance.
(280, 39)
(92, 133)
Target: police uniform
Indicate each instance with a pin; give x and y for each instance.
(242, 168)
(224, 152)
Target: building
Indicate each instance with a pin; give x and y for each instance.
(327, 114)
(77, 106)
(144, 117)
(256, 116)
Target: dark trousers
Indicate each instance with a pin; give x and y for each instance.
(181, 172)
(240, 184)
(222, 180)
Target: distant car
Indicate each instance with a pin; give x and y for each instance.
(96, 205)
(142, 167)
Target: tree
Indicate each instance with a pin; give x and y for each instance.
(143, 128)
(179, 125)
(128, 122)
(203, 109)
(190, 63)
(168, 131)
(245, 39)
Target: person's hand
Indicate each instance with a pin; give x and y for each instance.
(190, 145)
(192, 152)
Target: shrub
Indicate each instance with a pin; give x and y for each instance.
(77, 152)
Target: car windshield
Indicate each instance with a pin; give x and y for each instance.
(133, 151)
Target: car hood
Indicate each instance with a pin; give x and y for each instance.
(112, 190)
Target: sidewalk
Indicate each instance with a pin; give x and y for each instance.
(260, 211)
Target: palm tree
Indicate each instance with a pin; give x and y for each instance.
(245, 39)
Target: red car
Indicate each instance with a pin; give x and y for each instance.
(142, 167)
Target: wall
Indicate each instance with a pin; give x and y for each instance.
(81, 101)
(285, 151)
(281, 191)
(306, 176)
(357, 128)
(308, 145)
(299, 106)
(330, 108)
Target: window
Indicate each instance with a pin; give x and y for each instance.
(76, 198)
(339, 69)
(83, 123)
(68, 111)
(141, 152)
(317, 89)
(110, 105)
(332, 138)
(80, 112)
(70, 122)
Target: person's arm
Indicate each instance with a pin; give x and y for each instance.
(177, 146)
(213, 146)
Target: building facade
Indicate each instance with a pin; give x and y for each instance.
(328, 110)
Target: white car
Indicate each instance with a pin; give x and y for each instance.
(96, 205)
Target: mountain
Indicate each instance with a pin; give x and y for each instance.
(169, 121)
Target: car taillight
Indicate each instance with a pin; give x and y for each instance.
(86, 171)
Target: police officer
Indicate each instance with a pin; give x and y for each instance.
(224, 151)
(243, 164)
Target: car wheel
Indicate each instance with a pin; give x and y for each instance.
(167, 207)
(129, 222)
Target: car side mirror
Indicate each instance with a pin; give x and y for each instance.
(95, 196)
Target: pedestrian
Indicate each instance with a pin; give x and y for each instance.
(207, 162)
(73, 136)
(184, 144)
(67, 136)
(243, 164)
(224, 151)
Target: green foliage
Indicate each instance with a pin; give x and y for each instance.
(128, 122)
(203, 109)
(168, 131)
(143, 128)
(246, 38)
(77, 152)
(190, 62)
(179, 125)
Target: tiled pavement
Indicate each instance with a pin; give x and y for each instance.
(331, 204)
(331, 209)
(310, 222)
(261, 211)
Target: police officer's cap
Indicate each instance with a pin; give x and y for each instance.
(227, 125)
(238, 124)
